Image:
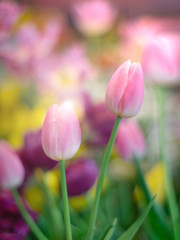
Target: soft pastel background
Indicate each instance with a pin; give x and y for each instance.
(51, 51)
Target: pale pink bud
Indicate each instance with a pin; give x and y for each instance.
(61, 133)
(160, 60)
(11, 169)
(125, 91)
(130, 140)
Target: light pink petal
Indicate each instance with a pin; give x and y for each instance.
(61, 133)
(11, 169)
(133, 96)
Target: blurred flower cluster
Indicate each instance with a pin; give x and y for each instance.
(48, 55)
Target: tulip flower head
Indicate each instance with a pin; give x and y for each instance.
(125, 91)
(61, 133)
(11, 169)
(160, 60)
(94, 18)
(130, 140)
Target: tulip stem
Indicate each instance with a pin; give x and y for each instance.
(173, 207)
(103, 171)
(65, 201)
(27, 217)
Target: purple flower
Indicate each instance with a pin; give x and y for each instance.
(34, 152)
(12, 225)
(101, 122)
(80, 176)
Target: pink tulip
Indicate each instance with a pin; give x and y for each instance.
(160, 60)
(29, 46)
(125, 91)
(61, 133)
(130, 140)
(94, 18)
(11, 169)
(9, 13)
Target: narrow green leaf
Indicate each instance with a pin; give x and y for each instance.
(105, 232)
(131, 231)
(109, 233)
(157, 216)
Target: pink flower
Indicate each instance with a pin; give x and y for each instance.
(94, 18)
(130, 140)
(61, 133)
(160, 60)
(125, 91)
(11, 168)
(9, 13)
(65, 72)
(29, 46)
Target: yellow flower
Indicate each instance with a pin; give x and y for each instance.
(52, 181)
(78, 203)
(156, 183)
(17, 116)
(34, 197)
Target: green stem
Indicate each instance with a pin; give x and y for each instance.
(168, 175)
(141, 179)
(55, 217)
(32, 225)
(65, 201)
(103, 171)
(156, 215)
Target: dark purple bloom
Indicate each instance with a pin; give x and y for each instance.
(12, 225)
(32, 154)
(80, 176)
(101, 122)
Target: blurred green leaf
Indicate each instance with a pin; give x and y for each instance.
(129, 234)
(157, 216)
(109, 231)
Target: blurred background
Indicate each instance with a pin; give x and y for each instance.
(51, 51)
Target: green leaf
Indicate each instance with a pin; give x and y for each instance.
(131, 231)
(109, 231)
(157, 216)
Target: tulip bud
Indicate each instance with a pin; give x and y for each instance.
(61, 133)
(80, 176)
(125, 91)
(11, 169)
(130, 140)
